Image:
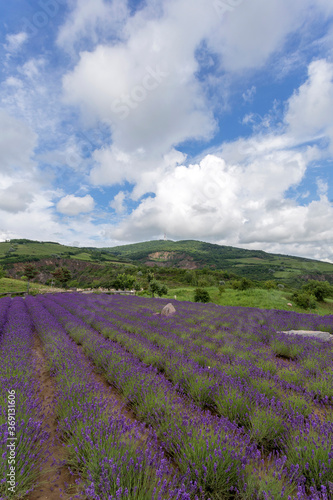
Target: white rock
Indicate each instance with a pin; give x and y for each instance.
(327, 337)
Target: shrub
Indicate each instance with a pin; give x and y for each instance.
(286, 350)
(320, 289)
(304, 300)
(315, 461)
(270, 285)
(201, 295)
(242, 284)
(234, 405)
(156, 287)
(268, 429)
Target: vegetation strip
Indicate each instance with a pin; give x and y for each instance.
(23, 434)
(155, 401)
(312, 428)
(104, 446)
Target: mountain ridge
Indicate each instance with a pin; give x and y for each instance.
(185, 254)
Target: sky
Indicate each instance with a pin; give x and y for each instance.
(124, 121)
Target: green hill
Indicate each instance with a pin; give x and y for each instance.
(23, 250)
(253, 264)
(168, 255)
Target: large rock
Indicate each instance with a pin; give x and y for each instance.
(168, 310)
(309, 333)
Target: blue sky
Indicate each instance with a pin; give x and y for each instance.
(209, 120)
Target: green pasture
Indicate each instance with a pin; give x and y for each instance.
(253, 297)
(11, 285)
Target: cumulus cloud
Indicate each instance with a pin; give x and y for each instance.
(214, 198)
(113, 166)
(144, 84)
(74, 205)
(241, 205)
(239, 194)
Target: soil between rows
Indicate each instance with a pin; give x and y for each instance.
(56, 480)
(55, 477)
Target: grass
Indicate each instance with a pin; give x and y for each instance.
(11, 285)
(253, 297)
(40, 250)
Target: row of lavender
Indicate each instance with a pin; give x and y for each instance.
(256, 486)
(249, 342)
(210, 451)
(232, 385)
(23, 437)
(106, 449)
(211, 386)
(157, 402)
(301, 443)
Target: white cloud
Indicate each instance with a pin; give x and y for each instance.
(13, 82)
(114, 166)
(74, 205)
(310, 109)
(145, 86)
(255, 30)
(17, 197)
(118, 202)
(17, 143)
(238, 194)
(240, 205)
(91, 20)
(249, 94)
(15, 41)
(31, 69)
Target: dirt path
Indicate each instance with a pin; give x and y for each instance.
(55, 477)
(56, 481)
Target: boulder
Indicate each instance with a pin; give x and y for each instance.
(168, 310)
(311, 333)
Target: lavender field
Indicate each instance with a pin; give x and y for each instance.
(115, 401)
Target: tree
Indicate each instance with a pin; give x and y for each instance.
(201, 295)
(320, 289)
(242, 284)
(150, 276)
(63, 275)
(123, 282)
(156, 287)
(270, 285)
(30, 272)
(305, 300)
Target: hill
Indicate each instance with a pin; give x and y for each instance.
(253, 264)
(23, 250)
(167, 257)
